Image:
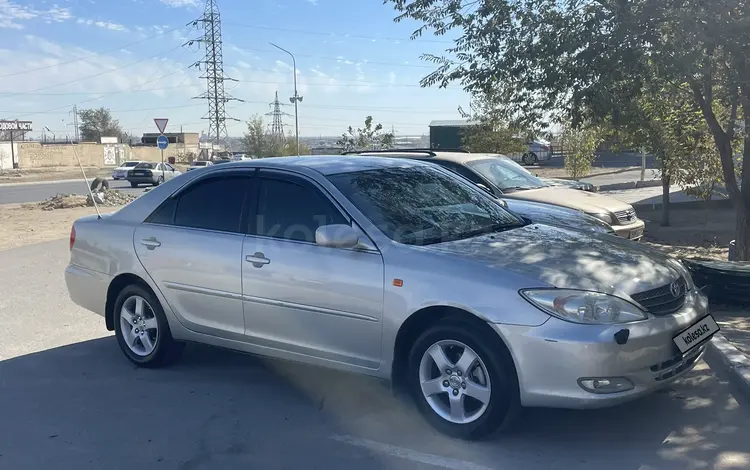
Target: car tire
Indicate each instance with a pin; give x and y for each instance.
(529, 158)
(148, 343)
(133, 185)
(99, 184)
(501, 389)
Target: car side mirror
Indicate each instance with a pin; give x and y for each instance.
(336, 236)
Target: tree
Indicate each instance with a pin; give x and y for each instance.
(368, 137)
(98, 123)
(580, 145)
(260, 143)
(550, 58)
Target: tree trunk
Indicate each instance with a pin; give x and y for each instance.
(742, 242)
(665, 180)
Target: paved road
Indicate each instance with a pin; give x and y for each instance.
(70, 400)
(14, 194)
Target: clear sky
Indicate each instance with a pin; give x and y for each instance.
(127, 55)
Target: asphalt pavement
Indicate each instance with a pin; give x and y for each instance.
(32, 192)
(71, 400)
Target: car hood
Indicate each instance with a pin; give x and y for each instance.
(573, 198)
(558, 216)
(567, 259)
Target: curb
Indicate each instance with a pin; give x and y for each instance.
(726, 359)
(28, 183)
(630, 185)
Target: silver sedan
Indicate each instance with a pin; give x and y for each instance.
(392, 268)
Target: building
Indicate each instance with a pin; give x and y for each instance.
(449, 134)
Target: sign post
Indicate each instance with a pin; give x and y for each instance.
(162, 142)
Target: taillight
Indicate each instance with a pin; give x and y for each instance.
(72, 236)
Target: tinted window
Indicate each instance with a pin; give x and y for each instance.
(129, 164)
(146, 166)
(421, 205)
(293, 211)
(461, 170)
(213, 204)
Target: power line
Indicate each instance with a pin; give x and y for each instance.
(88, 56)
(353, 61)
(332, 35)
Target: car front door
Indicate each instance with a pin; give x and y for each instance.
(191, 246)
(314, 303)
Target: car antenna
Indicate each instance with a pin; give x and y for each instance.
(91, 194)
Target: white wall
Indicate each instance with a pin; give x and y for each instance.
(6, 161)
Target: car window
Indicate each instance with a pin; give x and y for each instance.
(212, 204)
(506, 174)
(461, 170)
(169, 167)
(422, 206)
(129, 164)
(146, 166)
(293, 210)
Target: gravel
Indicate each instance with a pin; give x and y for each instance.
(107, 198)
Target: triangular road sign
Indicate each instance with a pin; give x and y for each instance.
(161, 124)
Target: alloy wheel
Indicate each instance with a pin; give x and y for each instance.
(454, 381)
(139, 326)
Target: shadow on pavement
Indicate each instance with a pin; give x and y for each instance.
(85, 406)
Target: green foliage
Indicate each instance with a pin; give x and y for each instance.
(98, 123)
(489, 138)
(260, 143)
(580, 145)
(368, 137)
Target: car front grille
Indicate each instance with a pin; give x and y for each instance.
(676, 365)
(626, 216)
(662, 300)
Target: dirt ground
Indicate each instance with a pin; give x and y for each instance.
(693, 233)
(22, 225)
(50, 174)
(544, 172)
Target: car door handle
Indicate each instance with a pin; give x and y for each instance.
(258, 259)
(151, 243)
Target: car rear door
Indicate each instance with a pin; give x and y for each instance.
(313, 302)
(191, 247)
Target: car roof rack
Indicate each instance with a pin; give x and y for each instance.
(430, 152)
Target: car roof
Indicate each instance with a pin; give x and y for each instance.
(324, 164)
(456, 157)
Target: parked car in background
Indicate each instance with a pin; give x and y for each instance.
(539, 150)
(199, 164)
(151, 173)
(507, 179)
(392, 268)
(121, 172)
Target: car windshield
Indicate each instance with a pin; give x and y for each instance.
(422, 205)
(506, 174)
(146, 166)
(129, 164)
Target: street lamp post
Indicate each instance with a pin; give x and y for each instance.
(296, 98)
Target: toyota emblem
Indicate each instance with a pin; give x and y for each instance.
(675, 288)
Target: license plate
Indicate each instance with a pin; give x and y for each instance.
(636, 233)
(697, 334)
(138, 173)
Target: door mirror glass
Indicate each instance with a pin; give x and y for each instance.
(336, 236)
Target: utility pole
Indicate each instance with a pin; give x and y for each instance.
(213, 68)
(75, 122)
(296, 98)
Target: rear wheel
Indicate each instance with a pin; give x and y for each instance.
(463, 381)
(159, 181)
(142, 330)
(133, 185)
(529, 158)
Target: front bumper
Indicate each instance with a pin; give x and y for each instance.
(551, 358)
(632, 231)
(119, 175)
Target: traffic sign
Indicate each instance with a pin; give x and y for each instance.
(162, 142)
(161, 124)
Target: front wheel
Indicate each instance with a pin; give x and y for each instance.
(142, 330)
(529, 158)
(463, 381)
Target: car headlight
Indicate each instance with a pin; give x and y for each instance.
(577, 306)
(603, 216)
